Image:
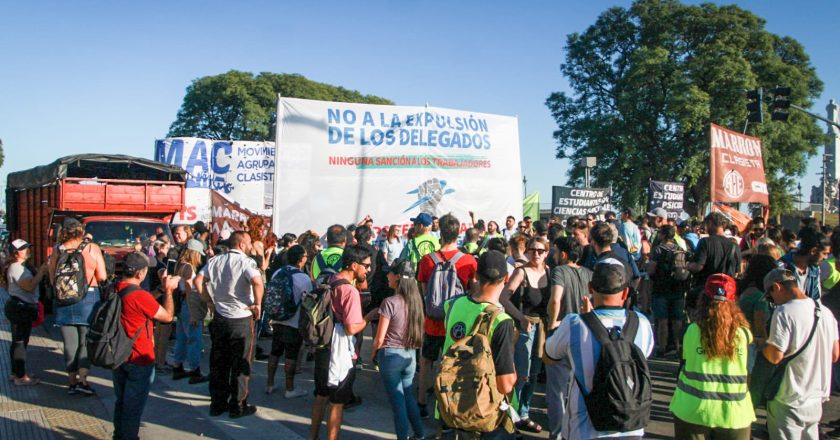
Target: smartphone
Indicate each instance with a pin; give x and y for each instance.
(171, 267)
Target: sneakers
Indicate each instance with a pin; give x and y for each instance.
(26, 380)
(179, 373)
(243, 411)
(197, 377)
(295, 393)
(84, 388)
(73, 389)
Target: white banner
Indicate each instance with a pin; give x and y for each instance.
(241, 170)
(338, 162)
(197, 204)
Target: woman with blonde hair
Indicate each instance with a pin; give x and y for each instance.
(188, 331)
(712, 399)
(393, 246)
(73, 318)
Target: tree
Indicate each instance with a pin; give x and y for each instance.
(238, 105)
(647, 81)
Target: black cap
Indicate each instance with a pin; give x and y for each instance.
(403, 268)
(492, 266)
(135, 262)
(609, 277)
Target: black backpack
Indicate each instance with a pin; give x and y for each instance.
(672, 274)
(108, 345)
(620, 399)
(316, 316)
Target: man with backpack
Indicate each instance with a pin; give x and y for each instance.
(423, 242)
(283, 295)
(334, 355)
(329, 259)
(442, 275)
(133, 378)
(474, 321)
(611, 392)
(669, 282)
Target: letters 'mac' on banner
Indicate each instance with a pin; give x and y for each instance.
(737, 167)
(241, 170)
(337, 162)
(567, 201)
(666, 195)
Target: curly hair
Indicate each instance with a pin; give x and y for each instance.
(71, 233)
(719, 323)
(256, 225)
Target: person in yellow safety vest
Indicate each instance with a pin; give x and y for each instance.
(712, 399)
(330, 258)
(423, 242)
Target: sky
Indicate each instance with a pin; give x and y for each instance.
(109, 77)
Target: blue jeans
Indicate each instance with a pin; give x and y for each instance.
(131, 387)
(558, 379)
(527, 365)
(188, 344)
(397, 366)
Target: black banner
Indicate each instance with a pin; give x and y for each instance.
(666, 195)
(567, 201)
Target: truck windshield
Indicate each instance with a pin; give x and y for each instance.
(120, 233)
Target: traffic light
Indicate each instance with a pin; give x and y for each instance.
(780, 103)
(755, 112)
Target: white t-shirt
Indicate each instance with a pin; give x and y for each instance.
(229, 282)
(18, 272)
(301, 283)
(807, 378)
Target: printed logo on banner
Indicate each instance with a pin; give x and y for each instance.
(429, 195)
(733, 184)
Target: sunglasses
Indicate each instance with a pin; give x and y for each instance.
(538, 251)
(365, 265)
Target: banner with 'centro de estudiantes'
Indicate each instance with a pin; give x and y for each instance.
(567, 201)
(242, 171)
(338, 162)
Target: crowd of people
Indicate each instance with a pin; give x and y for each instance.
(579, 303)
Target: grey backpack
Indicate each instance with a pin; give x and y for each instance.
(443, 284)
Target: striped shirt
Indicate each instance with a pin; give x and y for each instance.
(574, 341)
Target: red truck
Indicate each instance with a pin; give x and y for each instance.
(120, 199)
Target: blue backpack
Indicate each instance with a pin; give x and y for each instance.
(280, 294)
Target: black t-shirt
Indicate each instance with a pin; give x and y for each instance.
(503, 345)
(717, 254)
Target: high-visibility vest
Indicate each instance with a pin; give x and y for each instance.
(833, 274)
(331, 255)
(713, 392)
(420, 246)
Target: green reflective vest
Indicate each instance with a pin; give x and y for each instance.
(713, 392)
(833, 274)
(331, 256)
(419, 246)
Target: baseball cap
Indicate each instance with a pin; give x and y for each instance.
(135, 262)
(195, 245)
(778, 275)
(609, 277)
(720, 287)
(658, 212)
(424, 219)
(402, 267)
(492, 265)
(18, 245)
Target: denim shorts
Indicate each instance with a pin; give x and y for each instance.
(80, 313)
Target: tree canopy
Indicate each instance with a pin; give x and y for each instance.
(240, 106)
(646, 82)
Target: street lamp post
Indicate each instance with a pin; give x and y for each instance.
(588, 163)
(525, 185)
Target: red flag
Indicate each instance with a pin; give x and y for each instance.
(737, 167)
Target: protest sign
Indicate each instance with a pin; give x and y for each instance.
(736, 217)
(666, 195)
(567, 201)
(228, 216)
(241, 170)
(338, 162)
(737, 167)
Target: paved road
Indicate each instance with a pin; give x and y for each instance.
(177, 410)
